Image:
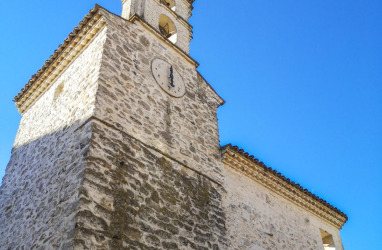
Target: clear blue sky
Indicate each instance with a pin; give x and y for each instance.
(302, 80)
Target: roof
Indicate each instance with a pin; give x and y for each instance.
(56, 60)
(280, 178)
(81, 35)
(209, 85)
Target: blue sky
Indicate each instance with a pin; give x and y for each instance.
(302, 81)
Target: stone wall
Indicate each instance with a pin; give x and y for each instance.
(43, 178)
(130, 99)
(111, 81)
(183, 9)
(259, 219)
(105, 159)
(134, 197)
(40, 191)
(152, 11)
(54, 110)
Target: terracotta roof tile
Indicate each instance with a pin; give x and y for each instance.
(56, 53)
(282, 177)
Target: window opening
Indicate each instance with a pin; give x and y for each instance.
(167, 28)
(327, 240)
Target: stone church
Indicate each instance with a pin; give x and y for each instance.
(118, 148)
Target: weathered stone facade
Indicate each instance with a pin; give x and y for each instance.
(41, 188)
(105, 159)
(135, 197)
(40, 192)
(129, 98)
(260, 219)
(151, 10)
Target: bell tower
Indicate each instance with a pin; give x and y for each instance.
(118, 146)
(168, 17)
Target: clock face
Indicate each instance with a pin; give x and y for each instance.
(168, 78)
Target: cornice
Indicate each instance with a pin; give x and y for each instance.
(190, 2)
(251, 167)
(74, 45)
(222, 101)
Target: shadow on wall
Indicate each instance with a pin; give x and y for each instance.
(40, 189)
(89, 185)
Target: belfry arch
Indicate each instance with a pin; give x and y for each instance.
(167, 28)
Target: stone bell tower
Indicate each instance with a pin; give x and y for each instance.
(169, 17)
(118, 146)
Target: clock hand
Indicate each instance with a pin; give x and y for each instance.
(172, 77)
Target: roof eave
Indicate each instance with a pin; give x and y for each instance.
(322, 207)
(23, 98)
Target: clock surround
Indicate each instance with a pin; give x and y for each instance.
(168, 78)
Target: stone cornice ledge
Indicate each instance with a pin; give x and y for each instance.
(73, 46)
(240, 161)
